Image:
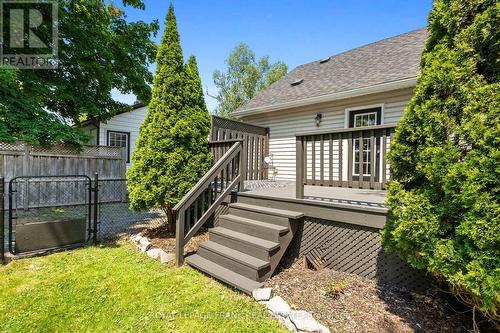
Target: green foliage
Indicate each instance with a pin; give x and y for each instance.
(99, 50)
(336, 288)
(172, 147)
(244, 78)
(117, 289)
(445, 159)
(24, 120)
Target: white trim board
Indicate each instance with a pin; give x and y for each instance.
(383, 87)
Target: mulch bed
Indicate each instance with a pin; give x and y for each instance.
(349, 303)
(165, 240)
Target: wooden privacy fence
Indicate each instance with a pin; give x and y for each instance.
(20, 159)
(353, 157)
(255, 144)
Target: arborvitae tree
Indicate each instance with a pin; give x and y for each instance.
(445, 159)
(172, 147)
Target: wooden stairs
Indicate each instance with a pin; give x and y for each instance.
(247, 245)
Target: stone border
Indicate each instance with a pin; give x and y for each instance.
(295, 321)
(144, 245)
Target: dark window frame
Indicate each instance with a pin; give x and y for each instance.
(375, 168)
(108, 132)
(377, 110)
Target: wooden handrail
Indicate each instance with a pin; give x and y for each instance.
(347, 130)
(205, 197)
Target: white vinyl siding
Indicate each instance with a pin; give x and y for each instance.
(126, 122)
(284, 125)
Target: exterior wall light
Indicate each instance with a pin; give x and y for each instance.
(318, 119)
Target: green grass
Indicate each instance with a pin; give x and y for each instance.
(116, 289)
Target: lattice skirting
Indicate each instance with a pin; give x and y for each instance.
(354, 249)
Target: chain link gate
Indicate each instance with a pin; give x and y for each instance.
(55, 212)
(49, 212)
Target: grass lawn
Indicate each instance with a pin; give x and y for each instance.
(116, 289)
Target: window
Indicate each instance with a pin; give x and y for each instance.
(120, 139)
(365, 119)
(367, 155)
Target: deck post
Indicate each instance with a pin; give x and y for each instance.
(243, 164)
(299, 168)
(179, 238)
(2, 214)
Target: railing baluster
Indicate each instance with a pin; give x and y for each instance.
(330, 159)
(382, 156)
(322, 160)
(361, 161)
(341, 160)
(373, 167)
(313, 152)
(350, 154)
(300, 142)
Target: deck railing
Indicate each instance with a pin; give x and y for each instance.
(255, 144)
(202, 200)
(352, 157)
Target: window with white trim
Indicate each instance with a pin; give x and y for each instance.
(365, 119)
(120, 139)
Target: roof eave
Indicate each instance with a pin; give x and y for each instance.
(378, 88)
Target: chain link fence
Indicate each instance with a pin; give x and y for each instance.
(49, 212)
(114, 215)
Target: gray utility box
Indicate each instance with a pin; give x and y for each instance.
(49, 234)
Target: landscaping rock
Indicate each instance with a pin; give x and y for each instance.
(154, 253)
(278, 306)
(136, 238)
(288, 323)
(305, 322)
(262, 294)
(144, 244)
(166, 257)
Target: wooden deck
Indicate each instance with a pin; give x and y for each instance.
(335, 195)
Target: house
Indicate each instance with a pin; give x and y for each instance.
(367, 86)
(326, 127)
(121, 130)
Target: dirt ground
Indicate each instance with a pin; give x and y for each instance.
(349, 303)
(165, 240)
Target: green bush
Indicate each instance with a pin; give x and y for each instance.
(445, 158)
(172, 147)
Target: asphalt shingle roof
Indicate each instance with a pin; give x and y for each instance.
(392, 59)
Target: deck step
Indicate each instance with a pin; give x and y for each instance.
(256, 228)
(223, 274)
(237, 256)
(251, 245)
(244, 238)
(267, 210)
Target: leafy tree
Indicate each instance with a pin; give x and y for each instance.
(445, 159)
(244, 78)
(22, 119)
(172, 147)
(98, 51)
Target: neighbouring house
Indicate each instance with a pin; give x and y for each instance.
(326, 128)
(121, 130)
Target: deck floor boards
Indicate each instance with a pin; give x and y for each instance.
(286, 189)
